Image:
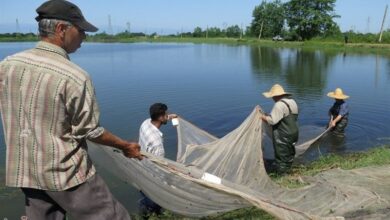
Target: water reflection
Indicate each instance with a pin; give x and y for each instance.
(301, 70)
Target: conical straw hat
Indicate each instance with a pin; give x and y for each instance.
(276, 90)
(338, 94)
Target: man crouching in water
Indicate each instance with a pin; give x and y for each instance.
(283, 119)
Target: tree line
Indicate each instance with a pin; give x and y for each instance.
(293, 20)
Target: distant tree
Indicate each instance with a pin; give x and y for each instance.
(197, 32)
(268, 17)
(311, 18)
(186, 34)
(233, 31)
(124, 34)
(248, 31)
(153, 35)
(214, 32)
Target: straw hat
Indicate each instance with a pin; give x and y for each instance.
(276, 90)
(338, 94)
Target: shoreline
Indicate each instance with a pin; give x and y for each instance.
(310, 45)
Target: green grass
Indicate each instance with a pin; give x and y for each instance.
(375, 157)
(18, 39)
(314, 44)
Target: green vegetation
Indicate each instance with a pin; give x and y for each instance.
(268, 19)
(18, 37)
(357, 41)
(311, 18)
(299, 23)
(375, 157)
(308, 21)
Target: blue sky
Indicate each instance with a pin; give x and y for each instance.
(171, 16)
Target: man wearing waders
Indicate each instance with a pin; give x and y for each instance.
(339, 112)
(283, 119)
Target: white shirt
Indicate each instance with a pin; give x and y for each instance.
(151, 139)
(280, 110)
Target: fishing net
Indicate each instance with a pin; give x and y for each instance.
(213, 176)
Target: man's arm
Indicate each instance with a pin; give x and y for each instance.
(275, 116)
(84, 113)
(129, 149)
(330, 120)
(334, 121)
(172, 116)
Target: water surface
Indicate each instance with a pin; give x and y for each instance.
(216, 87)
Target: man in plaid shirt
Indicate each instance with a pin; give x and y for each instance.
(151, 141)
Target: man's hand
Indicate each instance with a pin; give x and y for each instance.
(332, 124)
(264, 118)
(132, 150)
(171, 116)
(129, 149)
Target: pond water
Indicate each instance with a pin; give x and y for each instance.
(216, 87)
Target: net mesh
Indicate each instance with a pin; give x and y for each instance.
(213, 176)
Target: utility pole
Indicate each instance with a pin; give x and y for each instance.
(181, 33)
(261, 29)
(207, 32)
(224, 25)
(368, 24)
(17, 26)
(128, 27)
(241, 32)
(383, 23)
(110, 30)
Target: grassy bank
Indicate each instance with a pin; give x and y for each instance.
(312, 44)
(315, 44)
(322, 44)
(374, 157)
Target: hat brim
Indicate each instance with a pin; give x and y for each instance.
(271, 95)
(334, 96)
(86, 26)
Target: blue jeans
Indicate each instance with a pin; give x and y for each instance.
(147, 206)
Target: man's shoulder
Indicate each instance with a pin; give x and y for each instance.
(289, 101)
(344, 105)
(145, 124)
(10, 58)
(50, 62)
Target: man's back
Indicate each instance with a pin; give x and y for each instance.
(151, 139)
(47, 105)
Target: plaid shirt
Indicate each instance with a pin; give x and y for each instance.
(151, 139)
(48, 110)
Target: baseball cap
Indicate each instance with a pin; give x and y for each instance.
(64, 10)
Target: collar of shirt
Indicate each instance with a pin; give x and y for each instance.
(154, 127)
(46, 46)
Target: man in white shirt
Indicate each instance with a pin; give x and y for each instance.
(283, 119)
(151, 141)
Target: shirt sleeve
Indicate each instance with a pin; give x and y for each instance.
(84, 112)
(344, 109)
(276, 114)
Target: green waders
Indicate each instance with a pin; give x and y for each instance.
(340, 126)
(284, 136)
